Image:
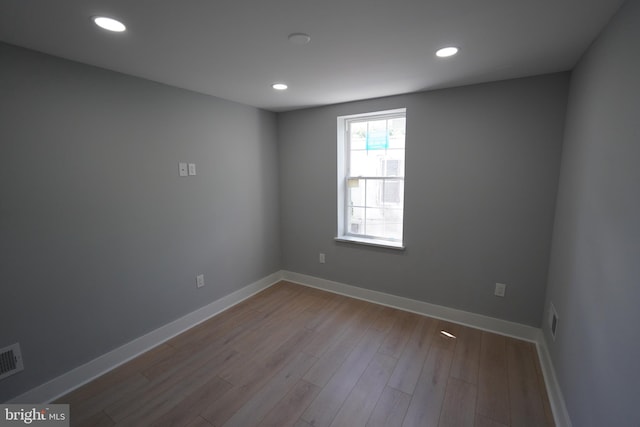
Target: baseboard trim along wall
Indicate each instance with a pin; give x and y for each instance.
(81, 375)
(556, 398)
(466, 318)
(478, 321)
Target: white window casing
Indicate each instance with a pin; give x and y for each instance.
(371, 164)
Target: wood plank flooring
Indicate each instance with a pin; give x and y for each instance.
(293, 356)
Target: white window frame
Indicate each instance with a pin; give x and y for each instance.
(343, 234)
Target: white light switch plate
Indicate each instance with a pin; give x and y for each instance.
(192, 168)
(183, 169)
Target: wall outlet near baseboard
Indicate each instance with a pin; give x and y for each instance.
(501, 288)
(321, 258)
(200, 280)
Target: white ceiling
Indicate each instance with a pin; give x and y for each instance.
(235, 49)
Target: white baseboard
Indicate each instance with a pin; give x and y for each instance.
(81, 375)
(556, 399)
(478, 321)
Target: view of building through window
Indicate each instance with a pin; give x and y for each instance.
(375, 154)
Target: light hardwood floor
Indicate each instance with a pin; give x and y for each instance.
(301, 357)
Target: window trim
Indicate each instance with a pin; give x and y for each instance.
(388, 244)
(343, 235)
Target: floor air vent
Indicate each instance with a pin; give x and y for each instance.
(10, 361)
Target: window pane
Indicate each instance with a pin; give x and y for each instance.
(374, 193)
(361, 163)
(396, 132)
(376, 163)
(393, 163)
(377, 135)
(356, 188)
(375, 222)
(392, 167)
(393, 223)
(355, 220)
(393, 190)
(358, 135)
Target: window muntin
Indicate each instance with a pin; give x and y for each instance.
(373, 179)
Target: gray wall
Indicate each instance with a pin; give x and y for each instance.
(100, 240)
(594, 277)
(481, 179)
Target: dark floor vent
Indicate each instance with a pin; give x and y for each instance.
(10, 360)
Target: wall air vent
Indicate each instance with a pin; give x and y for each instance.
(10, 360)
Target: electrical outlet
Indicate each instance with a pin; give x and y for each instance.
(182, 168)
(500, 289)
(322, 258)
(200, 280)
(192, 168)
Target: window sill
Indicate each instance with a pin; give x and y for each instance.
(371, 242)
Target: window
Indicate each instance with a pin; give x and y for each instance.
(371, 154)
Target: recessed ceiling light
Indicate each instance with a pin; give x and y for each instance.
(446, 52)
(279, 86)
(299, 38)
(109, 24)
